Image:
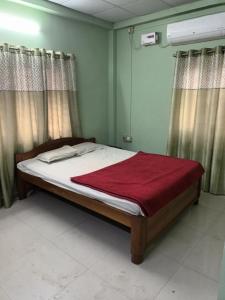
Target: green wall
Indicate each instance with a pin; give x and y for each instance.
(152, 79)
(104, 68)
(90, 45)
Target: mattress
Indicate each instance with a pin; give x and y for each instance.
(60, 172)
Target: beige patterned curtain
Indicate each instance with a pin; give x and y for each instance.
(37, 102)
(197, 128)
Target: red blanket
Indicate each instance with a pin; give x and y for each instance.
(150, 180)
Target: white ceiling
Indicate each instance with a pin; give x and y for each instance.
(119, 10)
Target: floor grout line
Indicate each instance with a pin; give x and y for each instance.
(56, 246)
(202, 274)
(172, 276)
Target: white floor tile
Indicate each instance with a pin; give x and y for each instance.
(27, 206)
(213, 202)
(177, 241)
(45, 272)
(33, 268)
(171, 247)
(184, 233)
(15, 242)
(206, 257)
(217, 230)
(92, 240)
(189, 285)
(51, 218)
(3, 295)
(6, 218)
(142, 282)
(89, 287)
(199, 218)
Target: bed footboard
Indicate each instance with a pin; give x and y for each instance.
(144, 230)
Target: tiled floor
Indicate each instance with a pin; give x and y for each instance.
(50, 250)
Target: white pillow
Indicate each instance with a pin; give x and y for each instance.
(86, 147)
(57, 154)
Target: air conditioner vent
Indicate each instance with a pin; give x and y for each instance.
(200, 29)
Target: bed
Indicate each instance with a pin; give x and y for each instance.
(144, 229)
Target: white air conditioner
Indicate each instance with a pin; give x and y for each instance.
(205, 28)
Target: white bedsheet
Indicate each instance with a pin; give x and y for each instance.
(59, 173)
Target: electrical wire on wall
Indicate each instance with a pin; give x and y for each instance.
(131, 36)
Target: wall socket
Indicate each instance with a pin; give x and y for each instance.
(127, 139)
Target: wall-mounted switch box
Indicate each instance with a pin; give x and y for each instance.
(148, 39)
(127, 139)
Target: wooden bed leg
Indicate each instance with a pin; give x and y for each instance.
(196, 201)
(22, 188)
(199, 193)
(138, 239)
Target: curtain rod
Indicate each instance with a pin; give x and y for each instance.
(196, 52)
(56, 54)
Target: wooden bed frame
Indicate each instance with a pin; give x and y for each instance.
(143, 229)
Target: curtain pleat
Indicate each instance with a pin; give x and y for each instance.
(37, 102)
(198, 113)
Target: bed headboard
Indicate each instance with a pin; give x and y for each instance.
(51, 145)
